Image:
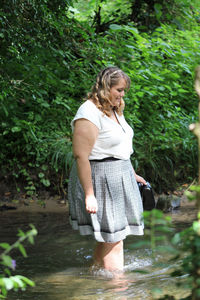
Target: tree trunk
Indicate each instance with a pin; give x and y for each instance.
(195, 128)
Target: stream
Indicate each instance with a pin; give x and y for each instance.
(60, 259)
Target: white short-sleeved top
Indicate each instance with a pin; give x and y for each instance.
(114, 139)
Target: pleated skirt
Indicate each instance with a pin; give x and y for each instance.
(119, 202)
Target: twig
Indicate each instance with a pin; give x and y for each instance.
(195, 128)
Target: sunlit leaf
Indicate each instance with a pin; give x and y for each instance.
(8, 283)
(4, 245)
(7, 260)
(115, 27)
(22, 250)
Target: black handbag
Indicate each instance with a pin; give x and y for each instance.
(147, 196)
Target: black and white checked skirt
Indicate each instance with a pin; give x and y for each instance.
(119, 202)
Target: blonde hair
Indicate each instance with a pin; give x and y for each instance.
(100, 94)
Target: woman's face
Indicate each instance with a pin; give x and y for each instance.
(117, 92)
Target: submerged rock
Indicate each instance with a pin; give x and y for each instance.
(168, 203)
(6, 207)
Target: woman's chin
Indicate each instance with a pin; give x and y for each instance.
(118, 103)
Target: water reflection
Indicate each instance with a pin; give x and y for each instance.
(60, 261)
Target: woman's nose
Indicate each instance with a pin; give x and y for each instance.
(122, 94)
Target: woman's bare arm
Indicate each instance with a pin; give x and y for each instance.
(139, 178)
(84, 137)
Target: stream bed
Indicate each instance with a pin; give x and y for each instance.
(60, 261)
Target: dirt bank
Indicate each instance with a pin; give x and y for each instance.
(35, 206)
(185, 214)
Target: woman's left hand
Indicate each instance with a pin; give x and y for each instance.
(140, 179)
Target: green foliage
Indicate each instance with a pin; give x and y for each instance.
(38, 78)
(158, 229)
(189, 240)
(47, 69)
(183, 247)
(145, 15)
(7, 280)
(161, 101)
(156, 226)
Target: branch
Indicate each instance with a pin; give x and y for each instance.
(197, 81)
(195, 128)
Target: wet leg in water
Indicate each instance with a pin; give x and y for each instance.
(109, 256)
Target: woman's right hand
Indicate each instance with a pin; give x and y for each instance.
(91, 204)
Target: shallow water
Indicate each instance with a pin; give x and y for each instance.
(59, 262)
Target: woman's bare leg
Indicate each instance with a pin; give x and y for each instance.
(110, 256)
(98, 255)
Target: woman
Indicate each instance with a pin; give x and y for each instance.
(104, 198)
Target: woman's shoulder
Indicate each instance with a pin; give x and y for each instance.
(89, 103)
(89, 107)
(88, 111)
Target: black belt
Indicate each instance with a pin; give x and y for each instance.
(105, 159)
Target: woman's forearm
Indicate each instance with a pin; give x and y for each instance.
(84, 174)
